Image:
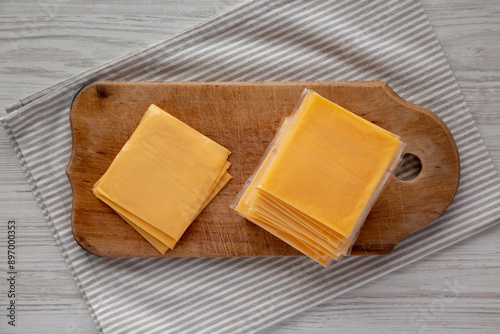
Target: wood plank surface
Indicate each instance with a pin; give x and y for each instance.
(42, 43)
(244, 117)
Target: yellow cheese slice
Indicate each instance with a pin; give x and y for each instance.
(331, 164)
(163, 177)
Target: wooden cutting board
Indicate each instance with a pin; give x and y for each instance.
(244, 117)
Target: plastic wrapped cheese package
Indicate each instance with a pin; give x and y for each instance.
(319, 178)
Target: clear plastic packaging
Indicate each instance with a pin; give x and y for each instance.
(311, 159)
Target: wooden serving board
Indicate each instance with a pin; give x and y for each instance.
(244, 117)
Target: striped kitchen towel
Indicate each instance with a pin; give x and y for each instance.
(389, 40)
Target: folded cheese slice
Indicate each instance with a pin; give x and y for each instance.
(320, 177)
(163, 177)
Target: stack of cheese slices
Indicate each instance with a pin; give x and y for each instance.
(163, 177)
(319, 178)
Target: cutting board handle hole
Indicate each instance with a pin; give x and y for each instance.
(409, 167)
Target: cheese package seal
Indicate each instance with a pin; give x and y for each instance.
(163, 177)
(319, 178)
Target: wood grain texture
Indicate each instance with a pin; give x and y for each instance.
(39, 48)
(244, 117)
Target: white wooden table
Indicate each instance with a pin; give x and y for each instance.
(42, 43)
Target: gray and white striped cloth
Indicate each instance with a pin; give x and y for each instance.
(389, 40)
